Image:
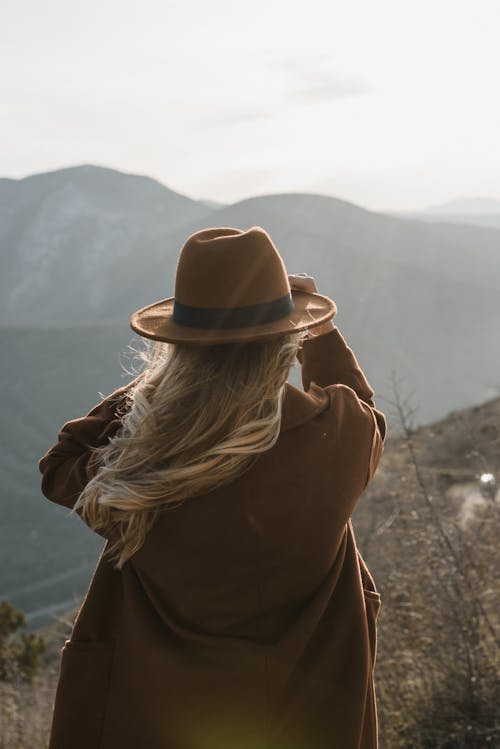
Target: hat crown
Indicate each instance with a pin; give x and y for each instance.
(230, 286)
(225, 268)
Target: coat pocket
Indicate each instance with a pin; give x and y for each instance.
(81, 695)
(372, 603)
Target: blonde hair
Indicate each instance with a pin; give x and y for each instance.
(196, 419)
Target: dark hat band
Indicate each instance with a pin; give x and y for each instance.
(232, 317)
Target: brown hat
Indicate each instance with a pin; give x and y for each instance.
(230, 285)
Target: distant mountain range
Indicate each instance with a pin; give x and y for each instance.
(82, 248)
(471, 206)
(475, 211)
(88, 245)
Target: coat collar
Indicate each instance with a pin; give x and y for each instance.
(299, 407)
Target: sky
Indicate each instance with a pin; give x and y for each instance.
(389, 104)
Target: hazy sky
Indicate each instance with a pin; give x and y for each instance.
(388, 103)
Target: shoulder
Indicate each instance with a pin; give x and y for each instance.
(350, 412)
(339, 404)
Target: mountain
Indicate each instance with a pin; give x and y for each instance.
(91, 245)
(472, 206)
(212, 203)
(65, 235)
(475, 211)
(47, 377)
(418, 298)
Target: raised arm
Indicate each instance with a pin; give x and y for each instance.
(327, 359)
(361, 428)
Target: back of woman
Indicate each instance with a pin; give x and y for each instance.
(230, 606)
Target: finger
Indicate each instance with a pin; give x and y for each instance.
(299, 277)
(302, 282)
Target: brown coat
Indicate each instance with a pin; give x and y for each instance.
(247, 620)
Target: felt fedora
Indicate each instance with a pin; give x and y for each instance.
(231, 285)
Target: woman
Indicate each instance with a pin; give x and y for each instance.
(230, 607)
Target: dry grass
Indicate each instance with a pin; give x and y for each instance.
(26, 711)
(438, 667)
(26, 708)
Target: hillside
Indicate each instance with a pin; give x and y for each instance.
(474, 211)
(452, 455)
(88, 244)
(417, 298)
(66, 235)
(428, 527)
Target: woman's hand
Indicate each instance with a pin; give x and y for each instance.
(304, 282)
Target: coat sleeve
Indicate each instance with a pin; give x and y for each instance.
(65, 466)
(360, 427)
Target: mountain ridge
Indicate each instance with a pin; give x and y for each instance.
(408, 292)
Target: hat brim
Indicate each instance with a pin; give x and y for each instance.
(155, 321)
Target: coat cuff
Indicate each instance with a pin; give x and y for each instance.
(66, 466)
